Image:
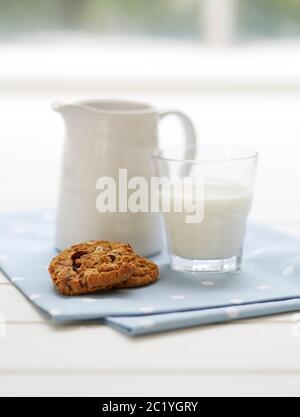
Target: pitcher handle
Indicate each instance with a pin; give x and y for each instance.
(188, 126)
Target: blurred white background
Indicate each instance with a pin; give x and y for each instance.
(232, 65)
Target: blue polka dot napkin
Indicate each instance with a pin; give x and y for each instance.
(269, 282)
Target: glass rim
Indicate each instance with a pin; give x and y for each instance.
(249, 154)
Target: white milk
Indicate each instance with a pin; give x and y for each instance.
(221, 233)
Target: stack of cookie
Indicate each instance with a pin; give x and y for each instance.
(98, 266)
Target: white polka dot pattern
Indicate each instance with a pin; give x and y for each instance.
(34, 297)
(232, 312)
(289, 270)
(146, 323)
(208, 283)
(147, 309)
(263, 287)
(17, 279)
(236, 301)
(177, 297)
(55, 312)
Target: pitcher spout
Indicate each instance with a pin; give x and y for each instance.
(58, 106)
(61, 107)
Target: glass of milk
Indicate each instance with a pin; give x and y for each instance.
(205, 194)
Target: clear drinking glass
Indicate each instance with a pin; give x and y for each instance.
(217, 183)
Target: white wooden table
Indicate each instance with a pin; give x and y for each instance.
(250, 357)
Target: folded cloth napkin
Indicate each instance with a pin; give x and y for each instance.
(269, 282)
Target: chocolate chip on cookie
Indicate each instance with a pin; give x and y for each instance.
(145, 273)
(92, 266)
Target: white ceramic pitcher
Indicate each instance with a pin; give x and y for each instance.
(101, 138)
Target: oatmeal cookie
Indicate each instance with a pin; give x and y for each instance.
(145, 273)
(92, 266)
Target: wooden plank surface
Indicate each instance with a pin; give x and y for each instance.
(159, 384)
(3, 279)
(251, 345)
(16, 308)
